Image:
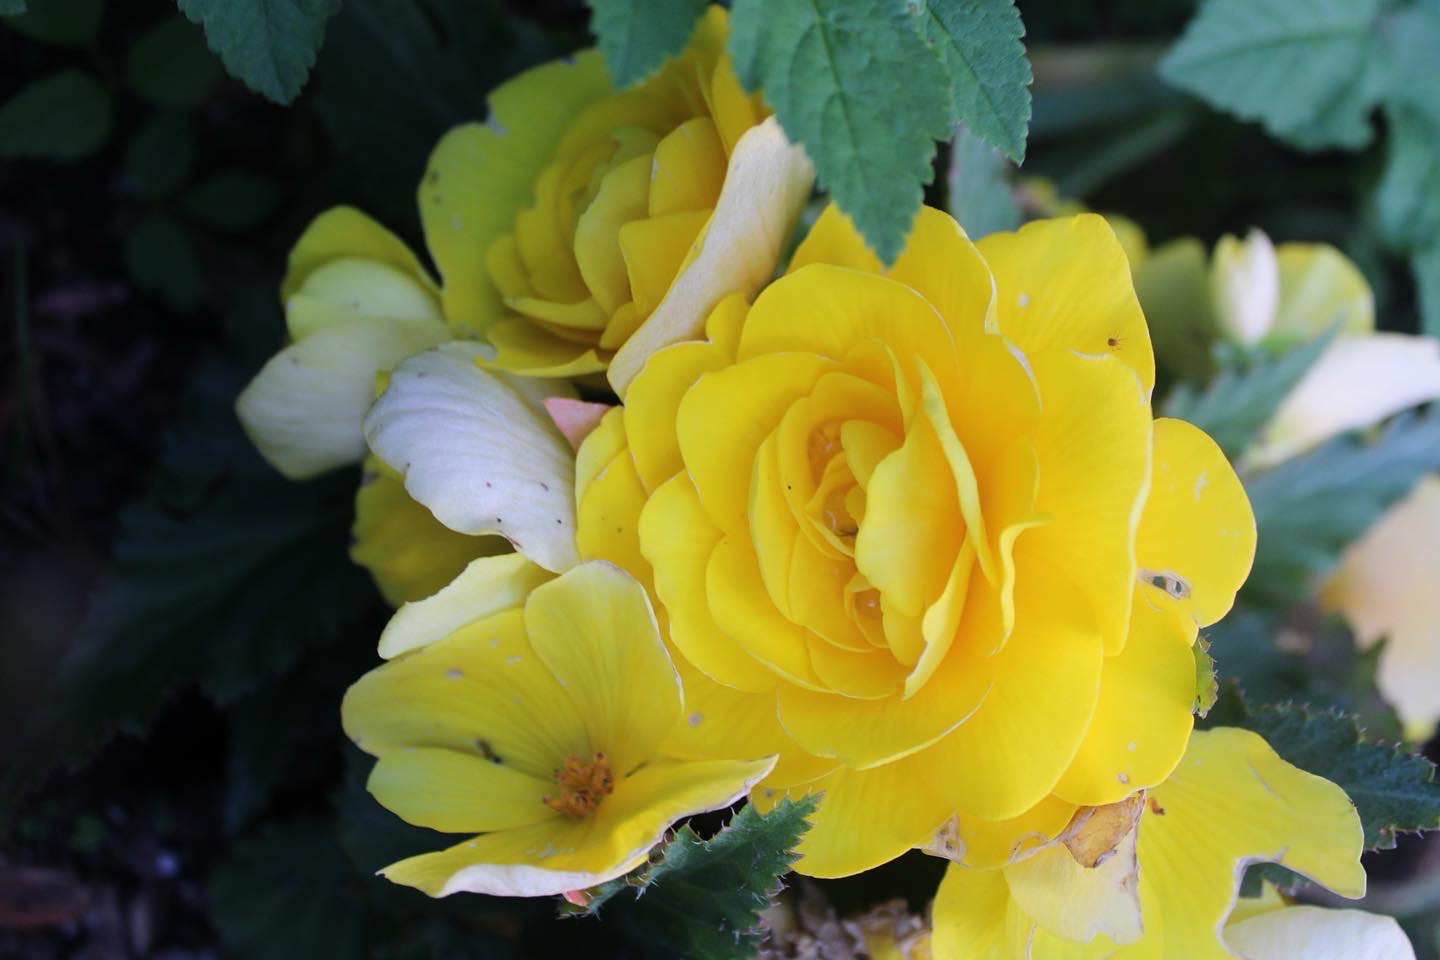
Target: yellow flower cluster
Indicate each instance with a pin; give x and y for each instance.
(907, 537)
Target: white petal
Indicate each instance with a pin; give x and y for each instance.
(479, 453)
(1316, 933)
(1245, 284)
(1356, 383)
(766, 185)
(304, 408)
(487, 586)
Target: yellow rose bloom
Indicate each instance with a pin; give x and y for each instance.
(578, 217)
(918, 527)
(1157, 878)
(531, 711)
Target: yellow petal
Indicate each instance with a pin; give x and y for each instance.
(344, 232)
(410, 554)
(743, 611)
(601, 446)
(865, 818)
(1196, 538)
(1231, 801)
(608, 519)
(486, 586)
(348, 287)
(528, 350)
(1010, 754)
(1065, 284)
(767, 182)
(1144, 716)
(481, 690)
(556, 856)
(833, 240)
(654, 397)
(456, 792)
(689, 169)
(1320, 289)
(480, 176)
(1093, 450)
(994, 843)
(1385, 588)
(975, 917)
(677, 539)
(623, 196)
(303, 410)
(593, 627)
(654, 249)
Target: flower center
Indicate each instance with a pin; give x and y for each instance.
(582, 786)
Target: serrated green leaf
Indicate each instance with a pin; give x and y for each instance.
(636, 36)
(1393, 791)
(160, 259)
(1236, 404)
(65, 116)
(221, 576)
(1425, 265)
(270, 45)
(853, 81)
(171, 65)
(979, 43)
(73, 23)
(232, 200)
(702, 898)
(1309, 508)
(978, 187)
(158, 158)
(1297, 66)
(288, 893)
(1408, 197)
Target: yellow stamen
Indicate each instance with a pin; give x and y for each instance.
(583, 786)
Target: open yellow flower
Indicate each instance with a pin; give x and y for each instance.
(1157, 878)
(531, 710)
(924, 518)
(581, 225)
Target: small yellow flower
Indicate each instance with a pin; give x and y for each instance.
(531, 710)
(1156, 878)
(581, 225)
(921, 522)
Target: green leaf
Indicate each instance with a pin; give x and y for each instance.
(288, 893)
(1408, 197)
(636, 36)
(1173, 284)
(160, 260)
(702, 898)
(1425, 265)
(65, 116)
(1393, 791)
(222, 575)
(1300, 68)
(268, 44)
(70, 23)
(1309, 508)
(979, 42)
(1207, 684)
(9, 8)
(171, 65)
(853, 81)
(1239, 402)
(159, 157)
(978, 187)
(232, 200)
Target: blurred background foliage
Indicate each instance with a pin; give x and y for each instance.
(177, 623)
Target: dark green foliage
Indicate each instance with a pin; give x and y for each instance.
(171, 65)
(160, 259)
(635, 36)
(65, 116)
(862, 91)
(287, 892)
(269, 44)
(702, 898)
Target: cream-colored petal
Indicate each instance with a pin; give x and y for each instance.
(487, 586)
(1245, 286)
(479, 453)
(304, 408)
(1317, 933)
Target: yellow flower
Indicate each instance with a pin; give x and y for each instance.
(1385, 587)
(531, 710)
(1157, 877)
(917, 531)
(578, 220)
